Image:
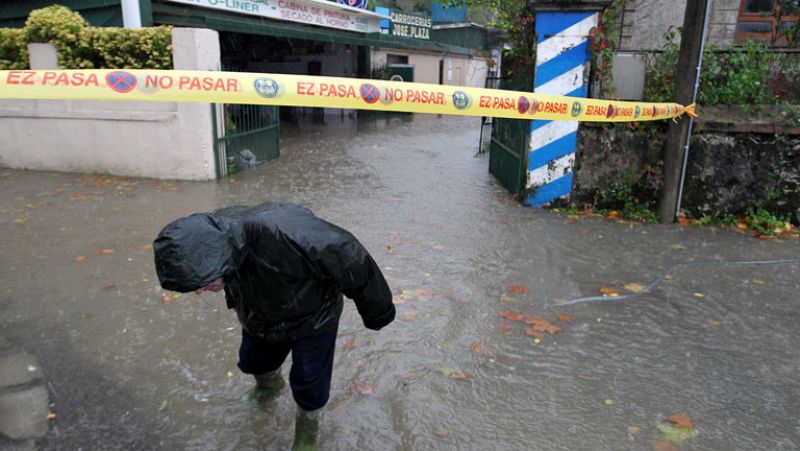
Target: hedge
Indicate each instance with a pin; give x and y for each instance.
(80, 46)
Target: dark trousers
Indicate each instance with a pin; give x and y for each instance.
(312, 364)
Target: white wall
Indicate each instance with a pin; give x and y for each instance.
(147, 139)
(458, 70)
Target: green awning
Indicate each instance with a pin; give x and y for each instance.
(189, 16)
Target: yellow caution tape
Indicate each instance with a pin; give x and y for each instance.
(311, 91)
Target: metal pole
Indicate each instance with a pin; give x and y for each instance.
(709, 7)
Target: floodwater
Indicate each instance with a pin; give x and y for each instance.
(130, 367)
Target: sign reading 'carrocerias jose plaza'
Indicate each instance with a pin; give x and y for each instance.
(311, 12)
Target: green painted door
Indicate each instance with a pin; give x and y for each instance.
(508, 149)
(245, 137)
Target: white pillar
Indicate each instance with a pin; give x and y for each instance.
(131, 14)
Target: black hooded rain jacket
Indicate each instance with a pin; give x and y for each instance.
(284, 269)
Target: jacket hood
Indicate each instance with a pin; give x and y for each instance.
(194, 251)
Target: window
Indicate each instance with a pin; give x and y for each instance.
(768, 21)
(396, 59)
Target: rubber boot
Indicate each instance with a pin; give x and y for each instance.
(268, 385)
(306, 428)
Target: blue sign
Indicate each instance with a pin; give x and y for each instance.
(355, 3)
(443, 14)
(385, 22)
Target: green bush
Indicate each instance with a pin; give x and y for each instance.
(13, 51)
(80, 46)
(745, 74)
(54, 23)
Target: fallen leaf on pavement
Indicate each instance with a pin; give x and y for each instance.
(699, 295)
(476, 347)
(80, 259)
(389, 249)
(758, 282)
(519, 289)
(104, 251)
(634, 430)
(410, 316)
(350, 344)
(565, 318)
(438, 246)
(51, 416)
(714, 323)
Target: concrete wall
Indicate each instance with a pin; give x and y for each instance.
(458, 70)
(146, 139)
(644, 22)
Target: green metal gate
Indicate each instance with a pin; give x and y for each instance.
(508, 149)
(245, 136)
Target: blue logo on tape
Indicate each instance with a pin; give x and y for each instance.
(266, 87)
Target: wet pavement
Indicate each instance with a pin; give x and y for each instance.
(466, 365)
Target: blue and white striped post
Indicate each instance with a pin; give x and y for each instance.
(562, 53)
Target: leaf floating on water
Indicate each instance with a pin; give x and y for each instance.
(664, 445)
(362, 388)
(608, 291)
(452, 373)
(410, 316)
(513, 316)
(676, 435)
(507, 299)
(519, 289)
(634, 287)
(458, 375)
(167, 297)
(681, 420)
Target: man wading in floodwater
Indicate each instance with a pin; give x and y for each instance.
(284, 271)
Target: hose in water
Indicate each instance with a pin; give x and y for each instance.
(660, 278)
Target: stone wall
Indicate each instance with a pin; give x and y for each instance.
(727, 171)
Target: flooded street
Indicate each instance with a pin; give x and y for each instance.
(130, 366)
